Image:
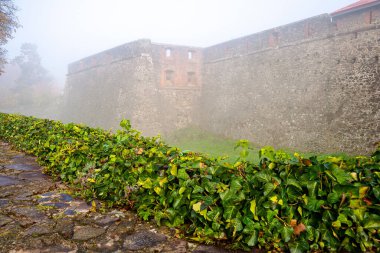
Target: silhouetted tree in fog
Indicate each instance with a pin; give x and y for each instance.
(8, 25)
(27, 87)
(32, 72)
(33, 85)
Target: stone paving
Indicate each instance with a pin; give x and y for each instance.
(40, 215)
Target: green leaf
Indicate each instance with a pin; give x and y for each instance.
(182, 190)
(333, 198)
(253, 209)
(376, 192)
(126, 124)
(328, 216)
(355, 203)
(249, 225)
(268, 188)
(177, 202)
(147, 184)
(244, 153)
(237, 225)
(158, 190)
(263, 177)
(197, 206)
(299, 246)
(343, 219)
(229, 197)
(372, 222)
(229, 212)
(299, 209)
(271, 214)
(252, 241)
(214, 214)
(294, 183)
(314, 204)
(340, 175)
(363, 191)
(336, 224)
(198, 189)
(359, 213)
(267, 152)
(312, 188)
(182, 174)
(235, 185)
(286, 233)
(173, 170)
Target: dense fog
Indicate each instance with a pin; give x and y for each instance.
(62, 32)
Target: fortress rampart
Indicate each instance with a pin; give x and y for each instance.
(312, 85)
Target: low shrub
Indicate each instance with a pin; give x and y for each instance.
(283, 203)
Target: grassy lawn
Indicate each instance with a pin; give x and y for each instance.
(197, 140)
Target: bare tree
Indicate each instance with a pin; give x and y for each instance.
(8, 25)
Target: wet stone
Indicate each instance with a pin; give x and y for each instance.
(5, 194)
(4, 202)
(25, 222)
(69, 212)
(29, 212)
(39, 229)
(4, 181)
(18, 156)
(106, 220)
(108, 246)
(33, 176)
(142, 240)
(24, 197)
(124, 227)
(42, 200)
(87, 232)
(56, 205)
(65, 228)
(48, 249)
(80, 206)
(24, 159)
(4, 220)
(65, 197)
(47, 194)
(176, 246)
(22, 167)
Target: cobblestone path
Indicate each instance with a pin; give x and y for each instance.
(39, 215)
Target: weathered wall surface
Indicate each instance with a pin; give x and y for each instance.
(179, 93)
(114, 84)
(129, 82)
(311, 85)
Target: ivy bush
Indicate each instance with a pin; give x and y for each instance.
(286, 202)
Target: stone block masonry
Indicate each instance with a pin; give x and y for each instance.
(313, 85)
(155, 86)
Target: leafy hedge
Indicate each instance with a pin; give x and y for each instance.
(285, 202)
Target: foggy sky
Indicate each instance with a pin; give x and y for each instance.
(68, 30)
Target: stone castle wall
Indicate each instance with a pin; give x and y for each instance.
(129, 81)
(311, 85)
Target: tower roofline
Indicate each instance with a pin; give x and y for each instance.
(360, 5)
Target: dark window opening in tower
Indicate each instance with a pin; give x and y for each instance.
(169, 76)
(191, 78)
